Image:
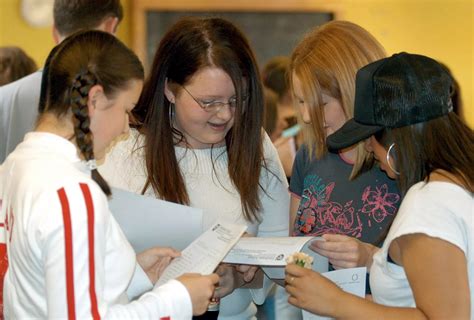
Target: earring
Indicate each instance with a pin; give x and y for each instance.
(388, 159)
(171, 113)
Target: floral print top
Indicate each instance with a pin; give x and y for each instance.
(330, 203)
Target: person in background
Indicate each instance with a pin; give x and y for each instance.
(201, 143)
(19, 99)
(67, 255)
(272, 122)
(274, 125)
(275, 76)
(341, 196)
(14, 64)
(404, 107)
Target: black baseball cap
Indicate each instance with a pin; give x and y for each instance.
(394, 92)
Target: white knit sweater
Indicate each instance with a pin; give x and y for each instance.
(209, 187)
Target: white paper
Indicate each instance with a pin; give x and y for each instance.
(351, 280)
(265, 251)
(271, 253)
(149, 222)
(205, 253)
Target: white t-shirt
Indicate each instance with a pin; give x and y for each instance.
(205, 172)
(438, 209)
(67, 254)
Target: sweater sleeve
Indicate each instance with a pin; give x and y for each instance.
(72, 239)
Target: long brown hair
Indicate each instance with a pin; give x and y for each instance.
(327, 60)
(445, 143)
(190, 45)
(72, 68)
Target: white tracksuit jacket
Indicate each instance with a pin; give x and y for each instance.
(67, 255)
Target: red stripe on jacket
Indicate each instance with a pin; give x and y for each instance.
(71, 308)
(90, 230)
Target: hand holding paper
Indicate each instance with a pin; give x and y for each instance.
(227, 274)
(248, 272)
(154, 261)
(344, 251)
(205, 253)
(271, 254)
(200, 289)
(320, 293)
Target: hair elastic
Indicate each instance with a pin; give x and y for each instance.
(91, 164)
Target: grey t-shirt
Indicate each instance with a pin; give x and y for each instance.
(330, 203)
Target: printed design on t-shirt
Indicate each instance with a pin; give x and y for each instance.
(379, 203)
(318, 215)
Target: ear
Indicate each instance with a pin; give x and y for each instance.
(95, 97)
(109, 25)
(169, 93)
(56, 36)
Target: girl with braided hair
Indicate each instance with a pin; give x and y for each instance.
(67, 254)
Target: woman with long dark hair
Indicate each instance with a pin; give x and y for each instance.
(200, 143)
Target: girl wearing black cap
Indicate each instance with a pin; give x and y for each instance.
(424, 269)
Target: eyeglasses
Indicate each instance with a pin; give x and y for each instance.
(215, 106)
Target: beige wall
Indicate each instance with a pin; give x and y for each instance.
(442, 29)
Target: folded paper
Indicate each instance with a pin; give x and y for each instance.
(271, 253)
(148, 222)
